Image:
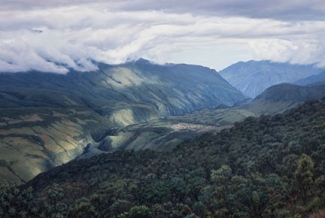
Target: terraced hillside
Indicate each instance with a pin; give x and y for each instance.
(33, 140)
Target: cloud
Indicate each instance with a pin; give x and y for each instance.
(277, 9)
(296, 52)
(55, 36)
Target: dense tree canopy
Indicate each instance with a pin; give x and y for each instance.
(272, 166)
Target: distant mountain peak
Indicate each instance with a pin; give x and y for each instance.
(140, 61)
(253, 77)
(143, 61)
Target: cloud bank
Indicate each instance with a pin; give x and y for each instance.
(55, 36)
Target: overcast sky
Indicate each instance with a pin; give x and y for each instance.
(49, 36)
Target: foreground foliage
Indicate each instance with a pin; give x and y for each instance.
(262, 167)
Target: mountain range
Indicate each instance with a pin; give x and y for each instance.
(48, 119)
(319, 78)
(253, 77)
(170, 89)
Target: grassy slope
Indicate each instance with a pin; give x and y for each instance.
(34, 140)
(49, 119)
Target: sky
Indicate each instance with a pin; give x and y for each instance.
(57, 35)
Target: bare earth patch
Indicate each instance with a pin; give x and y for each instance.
(198, 128)
(31, 118)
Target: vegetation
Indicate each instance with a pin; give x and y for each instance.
(47, 119)
(272, 166)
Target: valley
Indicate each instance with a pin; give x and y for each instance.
(47, 120)
(261, 167)
(162, 109)
(129, 118)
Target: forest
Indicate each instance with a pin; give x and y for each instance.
(271, 166)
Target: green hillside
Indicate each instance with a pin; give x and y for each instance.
(279, 98)
(171, 89)
(48, 119)
(272, 166)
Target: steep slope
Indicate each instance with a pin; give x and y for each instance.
(262, 167)
(164, 134)
(279, 98)
(49, 119)
(192, 87)
(171, 89)
(33, 140)
(253, 77)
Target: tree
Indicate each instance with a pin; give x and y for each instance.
(55, 193)
(304, 176)
(178, 189)
(83, 208)
(221, 178)
(139, 211)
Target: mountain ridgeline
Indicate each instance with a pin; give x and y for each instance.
(119, 142)
(281, 97)
(319, 78)
(48, 119)
(171, 89)
(253, 77)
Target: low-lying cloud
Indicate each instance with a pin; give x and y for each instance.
(70, 36)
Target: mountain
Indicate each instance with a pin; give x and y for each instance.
(48, 119)
(272, 166)
(171, 89)
(253, 77)
(63, 129)
(279, 98)
(164, 134)
(319, 78)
